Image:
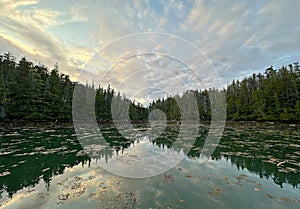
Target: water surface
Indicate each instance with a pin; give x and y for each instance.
(251, 168)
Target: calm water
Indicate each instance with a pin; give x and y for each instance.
(251, 168)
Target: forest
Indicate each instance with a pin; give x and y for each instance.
(33, 92)
(272, 96)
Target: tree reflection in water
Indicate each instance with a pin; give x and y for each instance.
(29, 156)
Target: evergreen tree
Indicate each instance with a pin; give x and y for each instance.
(31, 92)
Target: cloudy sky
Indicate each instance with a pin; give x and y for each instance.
(153, 48)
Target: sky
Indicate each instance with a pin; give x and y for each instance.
(148, 49)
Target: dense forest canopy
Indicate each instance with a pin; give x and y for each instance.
(272, 96)
(32, 92)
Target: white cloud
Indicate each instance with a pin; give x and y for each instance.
(245, 35)
(40, 18)
(239, 37)
(6, 6)
(25, 32)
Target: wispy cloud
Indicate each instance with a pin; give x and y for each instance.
(25, 31)
(238, 37)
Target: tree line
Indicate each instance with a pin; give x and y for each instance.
(33, 92)
(272, 96)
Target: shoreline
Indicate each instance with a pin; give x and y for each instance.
(68, 124)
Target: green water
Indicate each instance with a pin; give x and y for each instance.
(250, 168)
